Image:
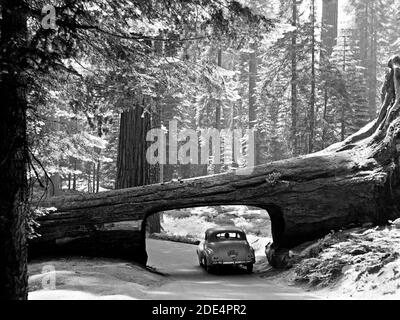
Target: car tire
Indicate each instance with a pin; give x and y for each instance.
(249, 267)
(206, 265)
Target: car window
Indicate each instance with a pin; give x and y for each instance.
(229, 236)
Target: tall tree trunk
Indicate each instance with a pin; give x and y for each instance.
(74, 177)
(154, 221)
(218, 109)
(252, 85)
(54, 188)
(367, 24)
(346, 104)
(311, 116)
(13, 153)
(330, 10)
(293, 130)
(218, 105)
(132, 167)
(373, 61)
(329, 33)
(98, 176)
(94, 178)
(252, 94)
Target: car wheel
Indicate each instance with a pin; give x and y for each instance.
(206, 265)
(249, 268)
(200, 261)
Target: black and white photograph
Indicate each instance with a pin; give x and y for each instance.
(199, 155)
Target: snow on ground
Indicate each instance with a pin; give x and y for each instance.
(80, 278)
(361, 263)
(355, 264)
(193, 223)
(193, 226)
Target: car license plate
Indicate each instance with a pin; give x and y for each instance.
(233, 253)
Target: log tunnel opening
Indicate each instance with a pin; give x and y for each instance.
(262, 224)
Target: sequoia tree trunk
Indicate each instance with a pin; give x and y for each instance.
(353, 182)
(311, 114)
(293, 109)
(13, 153)
(133, 170)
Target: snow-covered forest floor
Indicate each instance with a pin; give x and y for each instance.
(361, 263)
(83, 278)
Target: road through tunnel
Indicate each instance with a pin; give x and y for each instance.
(188, 225)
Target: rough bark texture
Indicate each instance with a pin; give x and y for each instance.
(329, 35)
(13, 153)
(353, 182)
(311, 114)
(293, 129)
(329, 27)
(132, 168)
(253, 97)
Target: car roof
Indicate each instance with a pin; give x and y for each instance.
(224, 229)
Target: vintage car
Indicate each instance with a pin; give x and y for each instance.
(225, 246)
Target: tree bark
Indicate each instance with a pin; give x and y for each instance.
(367, 24)
(218, 110)
(98, 177)
(13, 153)
(294, 112)
(94, 178)
(252, 85)
(133, 170)
(311, 115)
(329, 33)
(132, 167)
(253, 98)
(54, 187)
(74, 176)
(373, 62)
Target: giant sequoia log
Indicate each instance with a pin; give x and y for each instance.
(353, 182)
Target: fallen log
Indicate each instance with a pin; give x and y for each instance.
(352, 182)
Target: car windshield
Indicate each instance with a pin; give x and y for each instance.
(229, 236)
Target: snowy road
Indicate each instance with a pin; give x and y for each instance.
(87, 278)
(189, 281)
